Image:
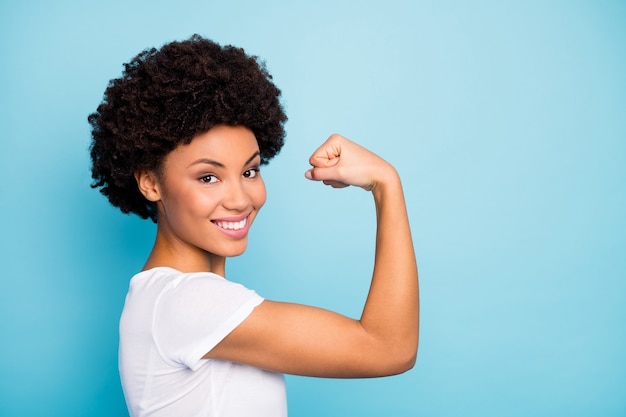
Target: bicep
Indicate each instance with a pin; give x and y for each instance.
(302, 340)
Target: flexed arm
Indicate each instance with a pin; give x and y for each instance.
(305, 340)
(391, 312)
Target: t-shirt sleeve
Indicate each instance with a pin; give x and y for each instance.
(194, 315)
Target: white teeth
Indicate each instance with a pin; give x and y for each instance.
(232, 225)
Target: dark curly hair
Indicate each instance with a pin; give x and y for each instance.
(167, 96)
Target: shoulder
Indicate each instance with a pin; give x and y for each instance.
(172, 279)
(170, 287)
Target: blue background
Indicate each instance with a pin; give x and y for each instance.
(506, 120)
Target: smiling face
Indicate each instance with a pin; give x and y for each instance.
(207, 194)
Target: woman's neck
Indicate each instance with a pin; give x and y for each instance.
(184, 258)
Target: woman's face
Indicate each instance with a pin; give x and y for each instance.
(210, 192)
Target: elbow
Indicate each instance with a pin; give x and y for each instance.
(407, 355)
(410, 363)
(401, 361)
(405, 363)
(396, 367)
(389, 356)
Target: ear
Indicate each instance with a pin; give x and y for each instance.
(148, 185)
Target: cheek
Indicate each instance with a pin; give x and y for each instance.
(205, 202)
(190, 203)
(259, 195)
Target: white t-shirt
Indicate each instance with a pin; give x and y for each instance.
(170, 320)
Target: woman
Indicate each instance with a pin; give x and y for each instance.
(180, 139)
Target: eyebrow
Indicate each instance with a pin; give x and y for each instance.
(219, 164)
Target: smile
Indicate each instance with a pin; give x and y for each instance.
(232, 225)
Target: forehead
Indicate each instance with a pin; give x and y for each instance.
(228, 145)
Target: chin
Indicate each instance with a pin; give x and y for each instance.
(234, 251)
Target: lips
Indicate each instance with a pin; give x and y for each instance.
(232, 225)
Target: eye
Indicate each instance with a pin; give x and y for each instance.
(251, 173)
(208, 179)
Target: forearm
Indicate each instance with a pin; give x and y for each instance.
(391, 312)
(308, 341)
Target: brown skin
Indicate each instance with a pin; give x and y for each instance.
(284, 337)
(213, 178)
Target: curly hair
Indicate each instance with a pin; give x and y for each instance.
(167, 96)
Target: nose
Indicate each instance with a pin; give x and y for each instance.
(236, 197)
